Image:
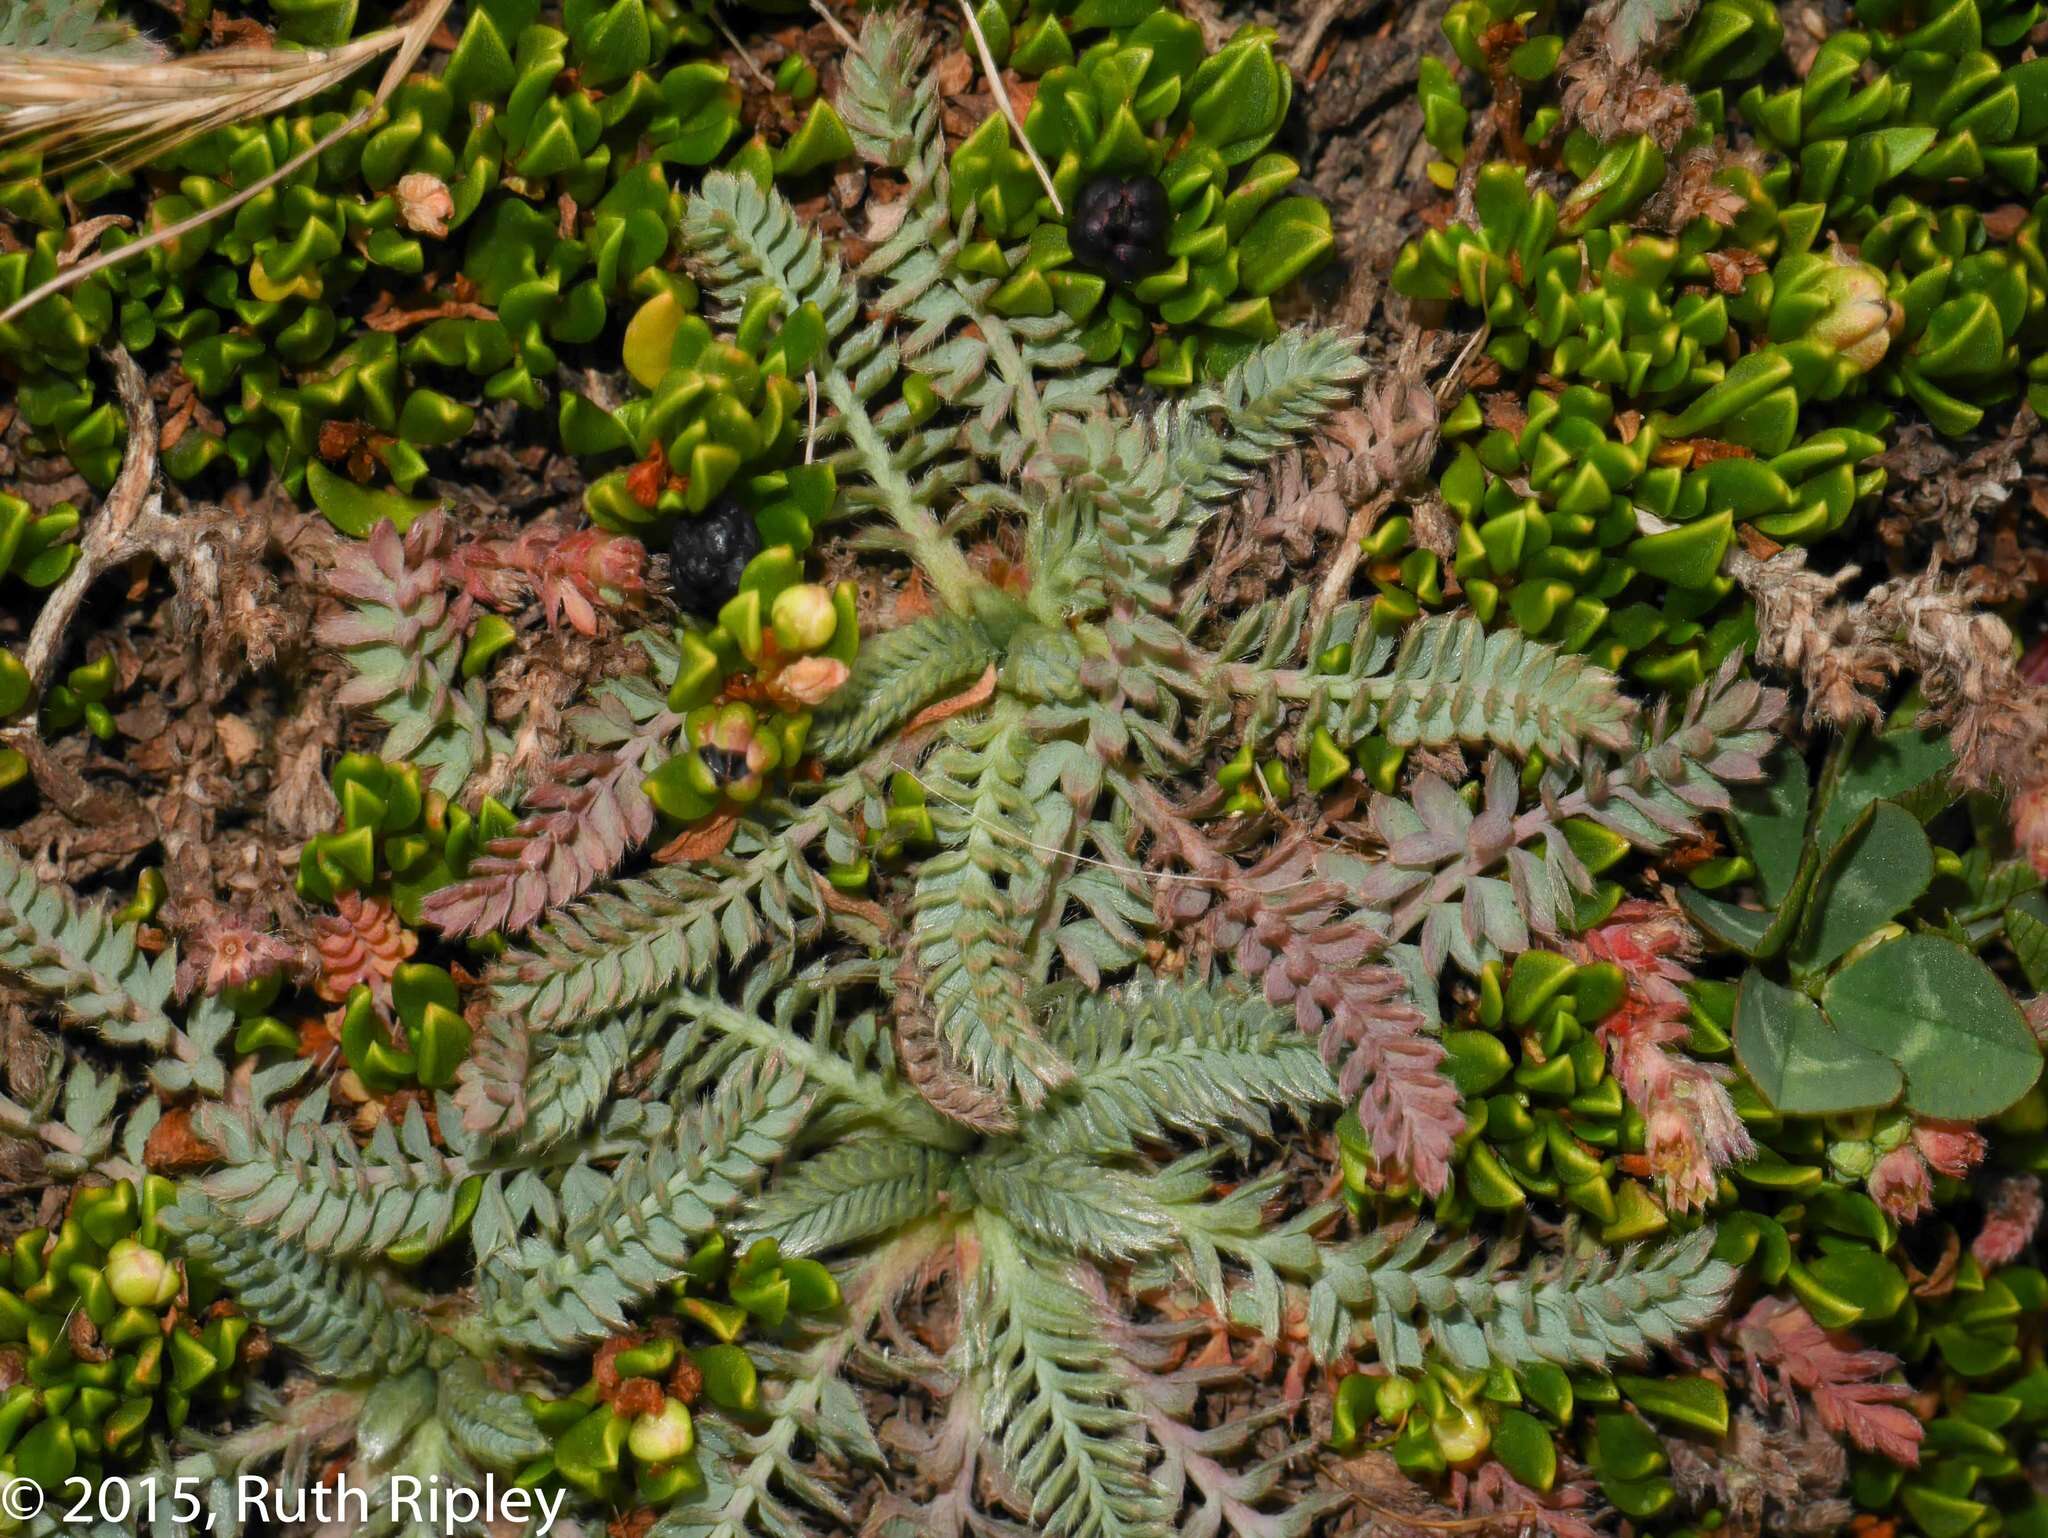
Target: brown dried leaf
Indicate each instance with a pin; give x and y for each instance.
(705, 840)
(974, 694)
(175, 1147)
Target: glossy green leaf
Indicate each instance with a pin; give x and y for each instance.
(1523, 1445)
(356, 510)
(1696, 1403)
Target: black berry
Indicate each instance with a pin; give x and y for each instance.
(706, 555)
(1118, 226)
(725, 764)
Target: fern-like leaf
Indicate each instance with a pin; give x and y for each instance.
(1480, 885)
(1213, 443)
(895, 674)
(68, 26)
(1070, 1440)
(658, 1206)
(81, 959)
(493, 1428)
(404, 636)
(304, 1182)
(850, 1193)
(333, 1315)
(636, 942)
(582, 817)
(1071, 1204)
(977, 900)
(1592, 1311)
(1153, 1060)
(1449, 681)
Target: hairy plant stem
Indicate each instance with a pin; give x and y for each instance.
(827, 1071)
(944, 566)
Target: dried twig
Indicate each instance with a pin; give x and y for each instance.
(718, 21)
(111, 538)
(838, 27)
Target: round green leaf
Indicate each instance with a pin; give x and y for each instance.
(1861, 1276)
(1939, 1013)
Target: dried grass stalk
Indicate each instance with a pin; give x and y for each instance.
(131, 105)
(80, 104)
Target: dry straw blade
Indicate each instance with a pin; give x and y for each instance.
(79, 90)
(131, 104)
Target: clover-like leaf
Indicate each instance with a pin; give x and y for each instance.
(1875, 873)
(1905, 766)
(1769, 820)
(1929, 1006)
(1799, 1061)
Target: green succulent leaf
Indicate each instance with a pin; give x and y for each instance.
(356, 510)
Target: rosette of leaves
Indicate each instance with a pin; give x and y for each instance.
(718, 416)
(1611, 544)
(574, 106)
(711, 445)
(1563, 517)
(1955, 323)
(1641, 315)
(1791, 1216)
(113, 1339)
(791, 644)
(1859, 996)
(1033, 36)
(1977, 1347)
(1149, 104)
(1969, 310)
(1928, 102)
(1606, 303)
(629, 1436)
(1544, 1117)
(419, 1038)
(1438, 1419)
(398, 838)
(259, 303)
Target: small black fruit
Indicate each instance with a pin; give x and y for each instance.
(706, 555)
(1119, 226)
(725, 764)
